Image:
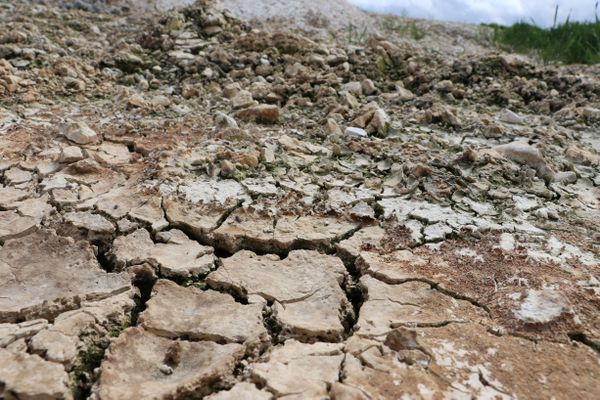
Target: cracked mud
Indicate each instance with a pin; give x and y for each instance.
(198, 205)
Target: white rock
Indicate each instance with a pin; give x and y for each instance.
(357, 132)
(541, 306)
(160, 101)
(353, 87)
(80, 133)
(225, 121)
(71, 154)
(25, 376)
(510, 117)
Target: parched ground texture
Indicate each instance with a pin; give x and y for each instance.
(194, 205)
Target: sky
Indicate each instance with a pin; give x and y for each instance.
(503, 12)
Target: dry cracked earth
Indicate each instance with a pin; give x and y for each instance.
(192, 207)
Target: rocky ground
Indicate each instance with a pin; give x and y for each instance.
(194, 207)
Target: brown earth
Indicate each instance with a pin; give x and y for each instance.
(264, 203)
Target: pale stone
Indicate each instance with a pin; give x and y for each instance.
(379, 122)
(242, 390)
(12, 332)
(193, 218)
(131, 249)
(55, 346)
(139, 364)
(44, 275)
(15, 176)
(369, 237)
(353, 87)
(80, 133)
(409, 304)
(243, 98)
(390, 268)
(225, 121)
(10, 195)
(332, 127)
(305, 287)
(523, 153)
(178, 257)
(300, 371)
(356, 132)
(13, 225)
(112, 154)
(160, 101)
(71, 154)
(24, 376)
(341, 391)
(151, 212)
(246, 230)
(368, 87)
(221, 192)
(92, 222)
(510, 117)
(174, 311)
(117, 203)
(267, 155)
(37, 208)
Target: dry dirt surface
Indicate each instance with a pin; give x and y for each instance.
(194, 206)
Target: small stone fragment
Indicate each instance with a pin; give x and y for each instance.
(246, 230)
(15, 176)
(91, 222)
(174, 311)
(267, 155)
(318, 364)
(225, 121)
(227, 168)
(332, 127)
(242, 99)
(262, 114)
(10, 195)
(510, 117)
(194, 367)
(13, 225)
(356, 132)
(368, 87)
(353, 87)
(409, 304)
(305, 280)
(55, 346)
(80, 133)
(45, 275)
(71, 154)
(24, 376)
(242, 390)
(370, 237)
(9, 333)
(178, 256)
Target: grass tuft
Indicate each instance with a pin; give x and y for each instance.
(569, 42)
(406, 29)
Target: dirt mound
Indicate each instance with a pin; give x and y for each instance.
(307, 15)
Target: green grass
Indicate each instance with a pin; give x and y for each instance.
(357, 36)
(407, 29)
(569, 42)
(82, 372)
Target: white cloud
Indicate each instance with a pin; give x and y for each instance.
(477, 11)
